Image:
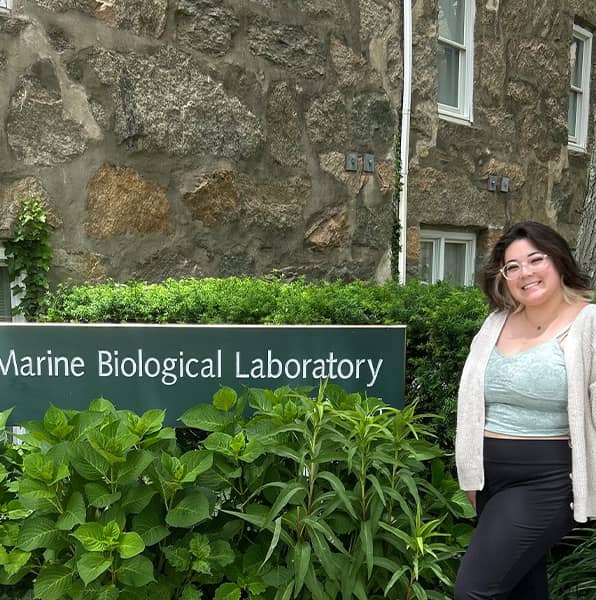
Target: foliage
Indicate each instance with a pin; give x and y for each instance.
(572, 576)
(30, 254)
(395, 224)
(336, 496)
(440, 319)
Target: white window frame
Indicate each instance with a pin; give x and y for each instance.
(579, 141)
(463, 113)
(5, 6)
(15, 299)
(439, 239)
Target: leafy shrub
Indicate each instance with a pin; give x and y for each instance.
(572, 575)
(440, 319)
(336, 496)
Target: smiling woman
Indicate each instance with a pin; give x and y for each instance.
(523, 415)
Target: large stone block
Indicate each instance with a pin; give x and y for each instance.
(284, 130)
(314, 8)
(39, 130)
(120, 201)
(292, 47)
(329, 228)
(374, 19)
(142, 17)
(327, 122)
(11, 195)
(13, 25)
(373, 122)
(206, 26)
(77, 265)
(349, 67)
(229, 196)
(166, 103)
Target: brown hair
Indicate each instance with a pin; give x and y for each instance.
(576, 285)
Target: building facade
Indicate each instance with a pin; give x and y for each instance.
(225, 137)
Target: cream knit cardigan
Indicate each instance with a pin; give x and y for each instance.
(580, 361)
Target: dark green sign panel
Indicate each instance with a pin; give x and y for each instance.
(139, 367)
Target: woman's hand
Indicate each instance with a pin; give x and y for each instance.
(472, 498)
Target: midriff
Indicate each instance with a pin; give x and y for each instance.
(492, 434)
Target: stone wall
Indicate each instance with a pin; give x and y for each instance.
(521, 88)
(203, 137)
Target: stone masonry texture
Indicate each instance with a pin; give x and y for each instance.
(208, 137)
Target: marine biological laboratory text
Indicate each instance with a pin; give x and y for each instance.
(171, 369)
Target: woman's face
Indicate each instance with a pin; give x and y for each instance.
(535, 283)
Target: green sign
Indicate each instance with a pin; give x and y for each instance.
(139, 367)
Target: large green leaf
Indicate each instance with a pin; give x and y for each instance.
(149, 423)
(191, 593)
(14, 561)
(39, 532)
(40, 467)
(192, 509)
(149, 525)
(136, 572)
(366, 539)
(222, 553)
(130, 544)
(136, 463)
(37, 495)
(301, 555)
(74, 514)
(225, 398)
(99, 496)
(53, 582)
(56, 423)
(4, 417)
(340, 490)
(83, 422)
(228, 591)
(195, 463)
(88, 463)
(137, 498)
(206, 418)
(91, 565)
(93, 537)
(289, 493)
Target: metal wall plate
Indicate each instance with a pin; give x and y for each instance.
(369, 163)
(351, 161)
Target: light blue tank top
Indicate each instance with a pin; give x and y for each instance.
(526, 393)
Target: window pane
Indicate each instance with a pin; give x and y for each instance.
(577, 61)
(426, 262)
(5, 312)
(455, 263)
(449, 75)
(451, 19)
(572, 113)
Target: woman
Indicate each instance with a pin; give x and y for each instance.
(526, 425)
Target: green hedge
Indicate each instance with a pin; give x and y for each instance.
(440, 319)
(324, 497)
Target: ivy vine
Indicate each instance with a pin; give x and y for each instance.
(396, 225)
(29, 255)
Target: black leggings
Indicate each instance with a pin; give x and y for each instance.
(524, 508)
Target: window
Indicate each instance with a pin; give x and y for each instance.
(447, 255)
(579, 96)
(5, 6)
(455, 58)
(7, 298)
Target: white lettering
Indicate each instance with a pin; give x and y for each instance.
(238, 373)
(374, 372)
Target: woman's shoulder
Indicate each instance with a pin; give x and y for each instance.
(587, 314)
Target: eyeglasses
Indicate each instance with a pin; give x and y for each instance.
(513, 269)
